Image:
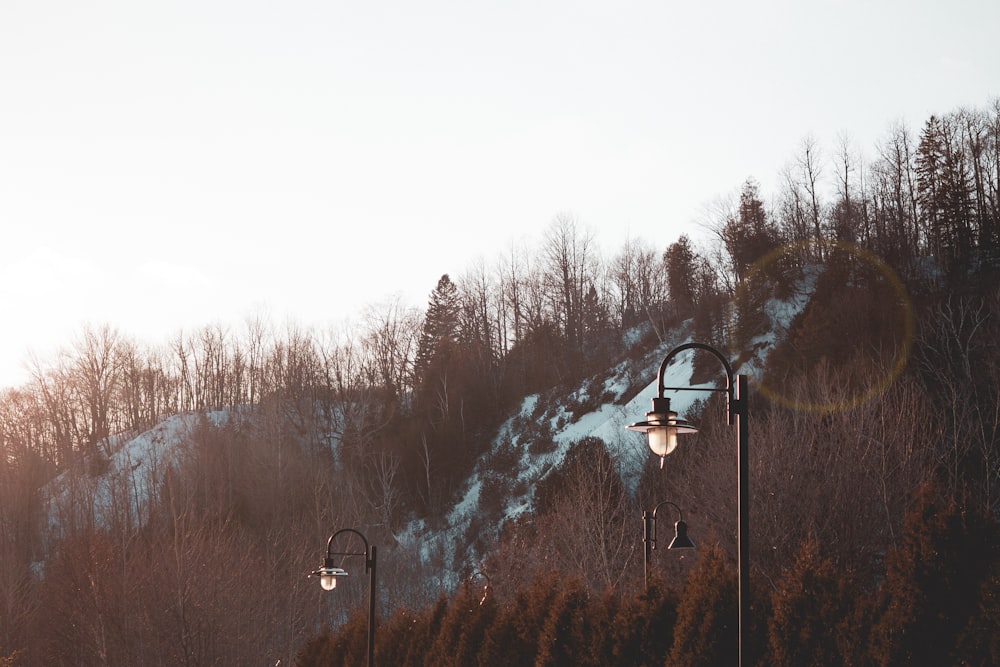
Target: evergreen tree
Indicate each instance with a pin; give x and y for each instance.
(643, 629)
(456, 402)
(426, 632)
(528, 614)
(933, 581)
(811, 612)
(565, 638)
(944, 193)
(707, 629)
(930, 166)
(595, 330)
(460, 637)
(680, 262)
(710, 311)
(440, 329)
(396, 637)
(979, 643)
(750, 235)
(343, 648)
(317, 652)
(501, 646)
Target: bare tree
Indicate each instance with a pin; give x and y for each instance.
(357, 406)
(95, 375)
(55, 393)
(569, 261)
(385, 490)
(810, 172)
(622, 274)
(258, 335)
(847, 214)
(893, 192)
(952, 353)
(513, 269)
(478, 296)
(389, 340)
(793, 216)
(588, 519)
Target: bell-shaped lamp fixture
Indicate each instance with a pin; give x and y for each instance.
(662, 428)
(328, 574)
(681, 539)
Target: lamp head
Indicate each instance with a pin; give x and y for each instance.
(662, 428)
(681, 539)
(328, 575)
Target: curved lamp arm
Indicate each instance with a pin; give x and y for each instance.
(329, 573)
(329, 546)
(486, 586)
(735, 400)
(681, 539)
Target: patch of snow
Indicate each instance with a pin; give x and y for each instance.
(124, 491)
(464, 508)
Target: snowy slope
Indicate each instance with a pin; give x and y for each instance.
(124, 490)
(607, 422)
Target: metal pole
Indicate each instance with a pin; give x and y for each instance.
(371, 610)
(743, 511)
(646, 548)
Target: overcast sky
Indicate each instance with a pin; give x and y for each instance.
(170, 164)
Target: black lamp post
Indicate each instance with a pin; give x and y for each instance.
(329, 573)
(662, 427)
(680, 541)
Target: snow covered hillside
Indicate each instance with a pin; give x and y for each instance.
(123, 487)
(606, 422)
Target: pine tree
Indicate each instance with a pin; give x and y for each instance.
(643, 628)
(345, 646)
(979, 643)
(930, 166)
(317, 652)
(460, 637)
(750, 235)
(528, 615)
(811, 612)
(680, 262)
(440, 329)
(933, 580)
(566, 632)
(707, 629)
(426, 632)
(944, 193)
(501, 645)
(396, 637)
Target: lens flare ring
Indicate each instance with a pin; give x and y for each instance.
(907, 324)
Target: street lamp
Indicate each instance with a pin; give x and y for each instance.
(680, 541)
(329, 573)
(486, 586)
(662, 427)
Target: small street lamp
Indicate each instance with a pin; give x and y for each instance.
(329, 573)
(680, 541)
(662, 427)
(486, 586)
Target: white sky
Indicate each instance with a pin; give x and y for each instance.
(170, 164)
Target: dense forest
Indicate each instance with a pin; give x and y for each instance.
(874, 465)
